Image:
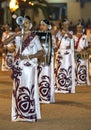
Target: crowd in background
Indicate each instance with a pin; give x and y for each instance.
(86, 24)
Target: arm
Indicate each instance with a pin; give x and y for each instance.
(11, 38)
(5, 42)
(36, 55)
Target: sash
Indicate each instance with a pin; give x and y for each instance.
(77, 43)
(60, 43)
(27, 41)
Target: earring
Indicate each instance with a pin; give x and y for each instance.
(30, 26)
(49, 27)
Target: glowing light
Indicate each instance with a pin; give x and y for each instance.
(13, 5)
(23, 0)
(31, 3)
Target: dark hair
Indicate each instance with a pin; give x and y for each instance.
(46, 21)
(27, 17)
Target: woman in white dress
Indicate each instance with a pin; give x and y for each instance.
(65, 82)
(46, 71)
(7, 55)
(25, 98)
(81, 43)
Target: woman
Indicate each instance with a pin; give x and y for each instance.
(25, 100)
(7, 55)
(81, 44)
(46, 70)
(65, 62)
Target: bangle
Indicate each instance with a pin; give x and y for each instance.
(28, 57)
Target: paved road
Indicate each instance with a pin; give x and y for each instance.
(69, 112)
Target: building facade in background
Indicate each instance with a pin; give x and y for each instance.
(57, 10)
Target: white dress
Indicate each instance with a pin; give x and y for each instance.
(7, 57)
(25, 98)
(65, 67)
(46, 80)
(81, 65)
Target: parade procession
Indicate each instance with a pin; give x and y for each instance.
(44, 57)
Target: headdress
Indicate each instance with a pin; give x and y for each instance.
(27, 17)
(46, 21)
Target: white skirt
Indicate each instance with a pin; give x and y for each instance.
(25, 98)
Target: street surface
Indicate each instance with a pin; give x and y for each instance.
(69, 112)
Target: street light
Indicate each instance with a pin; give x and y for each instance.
(13, 5)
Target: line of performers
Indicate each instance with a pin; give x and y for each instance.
(42, 64)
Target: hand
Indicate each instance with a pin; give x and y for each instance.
(68, 47)
(11, 48)
(18, 34)
(22, 57)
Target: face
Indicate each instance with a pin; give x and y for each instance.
(54, 30)
(6, 27)
(66, 25)
(43, 26)
(63, 32)
(27, 24)
(79, 29)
